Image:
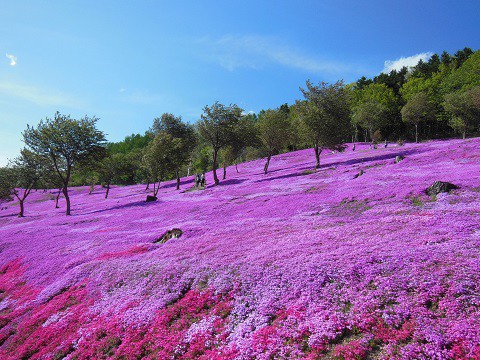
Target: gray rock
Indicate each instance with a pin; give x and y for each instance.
(170, 234)
(151, 198)
(399, 158)
(440, 187)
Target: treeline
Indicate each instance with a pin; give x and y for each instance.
(438, 98)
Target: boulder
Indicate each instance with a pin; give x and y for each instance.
(440, 187)
(175, 233)
(151, 198)
(399, 158)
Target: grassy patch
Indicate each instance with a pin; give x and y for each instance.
(307, 172)
(416, 201)
(350, 207)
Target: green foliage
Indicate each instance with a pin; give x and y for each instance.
(116, 168)
(64, 143)
(296, 136)
(20, 177)
(418, 109)
(465, 77)
(6, 183)
(245, 133)
(386, 97)
(160, 157)
(218, 128)
(464, 110)
(380, 93)
(325, 115)
(217, 124)
(28, 169)
(431, 86)
(370, 115)
(426, 69)
(113, 167)
(130, 143)
(273, 129)
(202, 159)
(393, 80)
(174, 126)
(186, 139)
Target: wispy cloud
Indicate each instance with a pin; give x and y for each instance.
(39, 96)
(255, 52)
(405, 61)
(12, 58)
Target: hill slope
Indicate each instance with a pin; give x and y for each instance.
(294, 264)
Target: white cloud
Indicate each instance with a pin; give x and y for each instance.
(252, 51)
(13, 59)
(405, 61)
(38, 96)
(122, 90)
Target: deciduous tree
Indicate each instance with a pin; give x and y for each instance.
(65, 142)
(273, 128)
(173, 125)
(325, 115)
(462, 105)
(21, 176)
(370, 115)
(418, 109)
(160, 158)
(217, 128)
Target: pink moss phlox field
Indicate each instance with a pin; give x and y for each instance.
(296, 264)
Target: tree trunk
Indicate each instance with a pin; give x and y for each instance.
(177, 173)
(148, 185)
(224, 171)
(67, 199)
(20, 214)
(265, 169)
(416, 133)
(155, 191)
(317, 157)
(215, 177)
(236, 167)
(108, 189)
(58, 196)
(464, 134)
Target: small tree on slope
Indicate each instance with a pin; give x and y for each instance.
(417, 109)
(21, 177)
(217, 128)
(159, 158)
(325, 115)
(65, 143)
(273, 128)
(173, 125)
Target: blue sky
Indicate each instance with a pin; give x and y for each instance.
(127, 62)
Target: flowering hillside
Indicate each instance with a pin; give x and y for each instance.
(294, 264)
